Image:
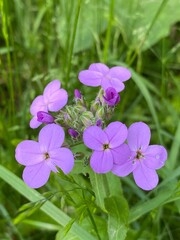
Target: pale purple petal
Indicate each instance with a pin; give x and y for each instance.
(56, 100)
(37, 105)
(145, 177)
(124, 169)
(63, 158)
(51, 88)
(34, 123)
(99, 67)
(94, 138)
(138, 136)
(101, 161)
(155, 156)
(37, 175)
(51, 137)
(28, 152)
(108, 81)
(90, 78)
(116, 133)
(121, 73)
(121, 154)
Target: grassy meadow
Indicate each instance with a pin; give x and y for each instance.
(56, 39)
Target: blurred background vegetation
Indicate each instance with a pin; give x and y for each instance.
(55, 39)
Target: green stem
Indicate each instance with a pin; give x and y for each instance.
(91, 218)
(72, 42)
(147, 32)
(108, 33)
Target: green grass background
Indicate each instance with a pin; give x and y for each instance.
(55, 39)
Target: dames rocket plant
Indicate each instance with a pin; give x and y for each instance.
(115, 147)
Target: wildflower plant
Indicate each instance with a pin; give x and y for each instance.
(107, 147)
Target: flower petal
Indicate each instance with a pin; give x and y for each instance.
(37, 175)
(138, 136)
(121, 73)
(94, 138)
(57, 100)
(116, 133)
(28, 153)
(99, 67)
(145, 177)
(51, 88)
(34, 123)
(101, 161)
(90, 78)
(121, 154)
(51, 137)
(63, 158)
(112, 82)
(37, 105)
(124, 169)
(155, 156)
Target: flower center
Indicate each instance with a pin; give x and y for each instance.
(105, 146)
(46, 155)
(139, 155)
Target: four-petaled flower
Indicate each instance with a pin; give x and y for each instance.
(99, 74)
(140, 158)
(42, 157)
(53, 99)
(106, 144)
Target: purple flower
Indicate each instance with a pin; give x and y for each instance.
(42, 157)
(111, 97)
(106, 144)
(44, 117)
(53, 99)
(99, 74)
(140, 158)
(77, 94)
(73, 133)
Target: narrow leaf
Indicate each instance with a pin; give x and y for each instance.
(49, 208)
(117, 208)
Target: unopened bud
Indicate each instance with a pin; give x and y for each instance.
(45, 117)
(99, 123)
(73, 133)
(87, 118)
(100, 113)
(77, 94)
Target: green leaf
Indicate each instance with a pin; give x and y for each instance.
(145, 22)
(91, 22)
(118, 213)
(49, 208)
(144, 207)
(105, 185)
(173, 155)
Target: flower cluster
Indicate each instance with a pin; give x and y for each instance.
(115, 147)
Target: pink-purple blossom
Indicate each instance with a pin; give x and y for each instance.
(111, 97)
(53, 99)
(106, 144)
(44, 156)
(140, 158)
(98, 74)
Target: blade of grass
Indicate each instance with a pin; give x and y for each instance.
(49, 208)
(72, 41)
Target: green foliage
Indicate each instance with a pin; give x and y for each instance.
(117, 208)
(55, 39)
